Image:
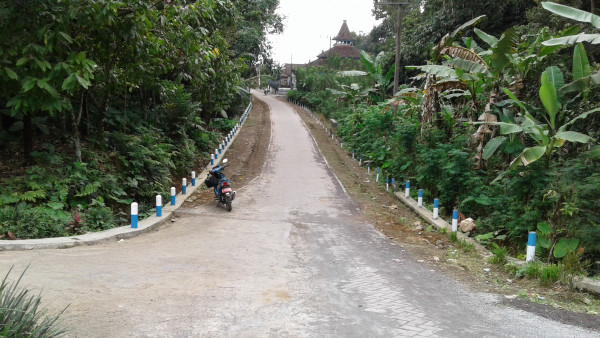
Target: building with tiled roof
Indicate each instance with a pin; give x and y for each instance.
(343, 47)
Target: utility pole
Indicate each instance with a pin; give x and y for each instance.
(400, 5)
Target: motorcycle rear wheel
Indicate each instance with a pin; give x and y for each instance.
(228, 203)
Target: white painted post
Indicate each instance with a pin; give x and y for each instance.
(172, 195)
(183, 186)
(407, 190)
(193, 178)
(531, 246)
(420, 199)
(368, 169)
(158, 206)
(454, 220)
(134, 215)
(436, 208)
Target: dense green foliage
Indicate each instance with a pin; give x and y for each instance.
(111, 101)
(501, 123)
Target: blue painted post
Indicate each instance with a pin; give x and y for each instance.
(219, 150)
(377, 178)
(158, 206)
(387, 184)
(193, 178)
(223, 145)
(531, 246)
(436, 208)
(407, 190)
(134, 215)
(183, 186)
(212, 159)
(420, 199)
(216, 154)
(454, 220)
(172, 195)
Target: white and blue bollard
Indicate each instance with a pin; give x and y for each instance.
(172, 195)
(407, 190)
(134, 215)
(212, 159)
(420, 199)
(454, 220)
(216, 154)
(223, 145)
(387, 184)
(158, 206)
(183, 186)
(218, 149)
(531, 246)
(193, 178)
(377, 178)
(436, 208)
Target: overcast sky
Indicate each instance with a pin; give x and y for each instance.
(309, 24)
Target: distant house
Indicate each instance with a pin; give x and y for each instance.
(287, 77)
(343, 47)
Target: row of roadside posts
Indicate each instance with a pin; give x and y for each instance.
(184, 183)
(436, 202)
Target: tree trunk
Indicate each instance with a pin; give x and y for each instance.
(27, 137)
(75, 119)
(592, 6)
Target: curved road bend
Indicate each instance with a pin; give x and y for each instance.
(290, 260)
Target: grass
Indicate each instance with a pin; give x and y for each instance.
(21, 315)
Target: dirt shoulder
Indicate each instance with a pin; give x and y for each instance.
(246, 155)
(462, 263)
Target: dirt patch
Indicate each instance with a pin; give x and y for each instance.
(246, 155)
(456, 260)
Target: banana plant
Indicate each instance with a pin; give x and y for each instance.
(575, 14)
(548, 136)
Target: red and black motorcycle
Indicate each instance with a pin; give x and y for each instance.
(224, 194)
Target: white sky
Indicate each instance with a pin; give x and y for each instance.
(308, 25)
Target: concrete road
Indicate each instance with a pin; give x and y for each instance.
(291, 260)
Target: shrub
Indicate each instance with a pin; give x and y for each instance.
(21, 315)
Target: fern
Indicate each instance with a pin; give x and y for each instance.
(33, 195)
(89, 189)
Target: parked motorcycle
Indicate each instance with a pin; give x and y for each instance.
(221, 185)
